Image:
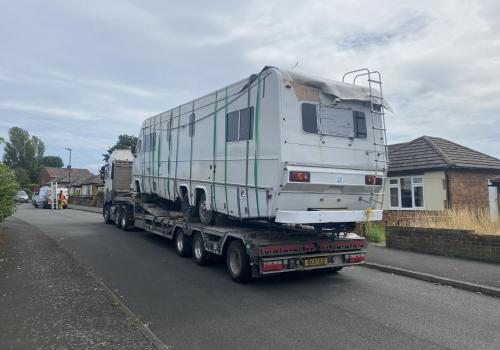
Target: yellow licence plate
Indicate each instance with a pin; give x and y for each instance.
(315, 262)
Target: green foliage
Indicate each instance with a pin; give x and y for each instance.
(375, 232)
(24, 154)
(8, 190)
(52, 161)
(124, 141)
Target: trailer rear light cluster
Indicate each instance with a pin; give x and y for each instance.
(373, 180)
(275, 265)
(300, 176)
(355, 258)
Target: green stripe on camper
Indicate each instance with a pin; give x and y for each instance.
(255, 167)
(214, 145)
(225, 151)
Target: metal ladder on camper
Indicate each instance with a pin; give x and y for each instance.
(374, 80)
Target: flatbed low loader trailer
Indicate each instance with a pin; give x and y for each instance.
(249, 249)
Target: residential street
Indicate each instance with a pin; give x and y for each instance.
(193, 307)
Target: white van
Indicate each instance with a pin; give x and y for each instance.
(278, 145)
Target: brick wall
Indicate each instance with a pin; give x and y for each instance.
(394, 217)
(456, 243)
(468, 188)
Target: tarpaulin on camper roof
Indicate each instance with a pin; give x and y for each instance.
(341, 90)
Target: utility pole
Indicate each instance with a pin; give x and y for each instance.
(69, 170)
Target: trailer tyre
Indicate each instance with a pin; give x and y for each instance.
(107, 216)
(207, 215)
(182, 244)
(200, 255)
(237, 262)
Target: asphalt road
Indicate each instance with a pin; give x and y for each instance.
(193, 307)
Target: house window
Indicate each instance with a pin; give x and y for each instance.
(406, 193)
(239, 125)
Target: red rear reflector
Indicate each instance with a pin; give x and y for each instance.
(373, 180)
(300, 176)
(355, 258)
(272, 265)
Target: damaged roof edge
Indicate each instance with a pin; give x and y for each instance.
(343, 91)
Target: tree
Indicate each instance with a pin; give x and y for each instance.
(8, 189)
(52, 161)
(124, 141)
(23, 154)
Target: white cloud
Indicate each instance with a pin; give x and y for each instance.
(98, 69)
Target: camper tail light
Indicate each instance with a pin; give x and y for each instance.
(373, 180)
(300, 176)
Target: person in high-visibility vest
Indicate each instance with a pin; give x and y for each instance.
(62, 199)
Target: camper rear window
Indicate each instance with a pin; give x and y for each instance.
(333, 121)
(239, 125)
(359, 124)
(309, 118)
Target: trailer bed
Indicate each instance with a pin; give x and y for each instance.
(271, 248)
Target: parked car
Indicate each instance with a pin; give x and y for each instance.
(41, 199)
(22, 197)
(34, 199)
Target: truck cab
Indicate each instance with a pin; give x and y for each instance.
(117, 174)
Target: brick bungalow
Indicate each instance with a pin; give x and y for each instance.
(432, 174)
(87, 186)
(48, 174)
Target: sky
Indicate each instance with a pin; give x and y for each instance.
(79, 73)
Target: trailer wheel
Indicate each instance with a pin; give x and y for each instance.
(200, 255)
(207, 215)
(182, 244)
(237, 262)
(107, 215)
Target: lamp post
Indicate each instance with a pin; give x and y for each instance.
(69, 170)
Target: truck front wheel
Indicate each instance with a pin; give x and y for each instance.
(118, 217)
(237, 262)
(125, 222)
(107, 215)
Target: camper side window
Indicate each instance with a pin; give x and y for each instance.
(239, 125)
(309, 118)
(246, 124)
(359, 124)
(149, 142)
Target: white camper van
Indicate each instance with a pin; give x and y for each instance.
(278, 145)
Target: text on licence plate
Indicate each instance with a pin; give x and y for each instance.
(315, 261)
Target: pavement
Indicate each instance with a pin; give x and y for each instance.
(49, 301)
(85, 208)
(187, 306)
(461, 273)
